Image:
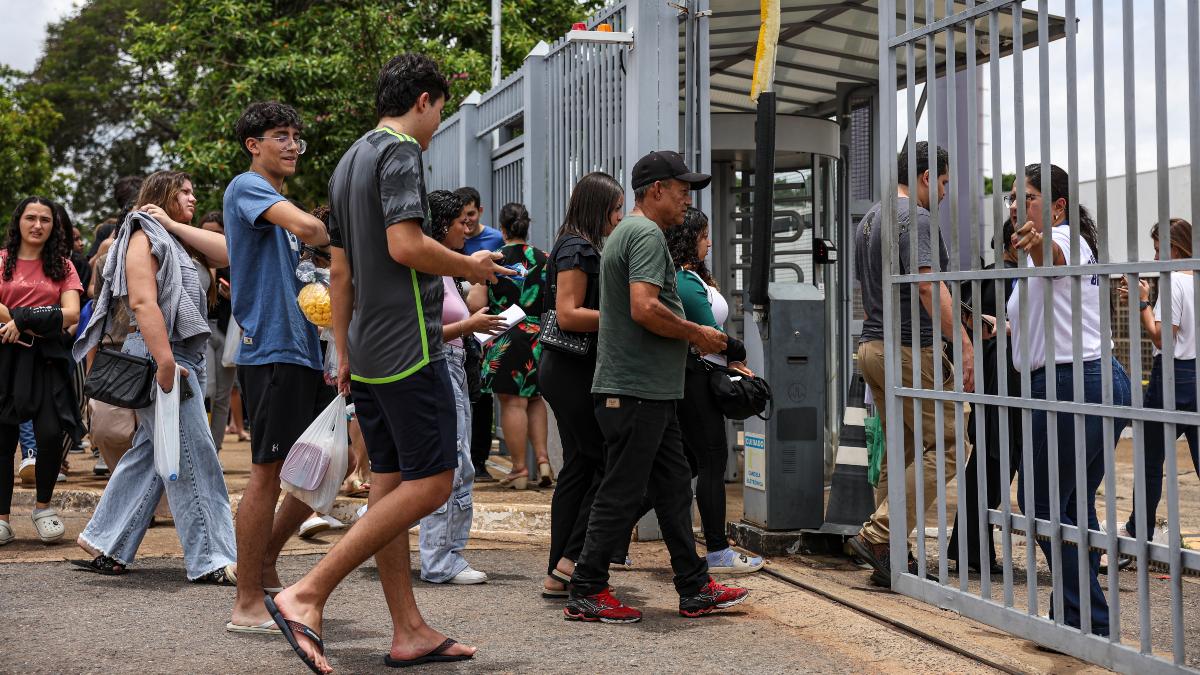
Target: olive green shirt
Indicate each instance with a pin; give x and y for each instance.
(631, 360)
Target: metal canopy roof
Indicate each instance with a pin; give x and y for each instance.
(822, 44)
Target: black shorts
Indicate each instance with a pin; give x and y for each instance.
(282, 399)
(409, 425)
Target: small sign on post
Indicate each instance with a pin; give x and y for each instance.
(756, 461)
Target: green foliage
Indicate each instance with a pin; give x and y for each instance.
(27, 125)
(1006, 183)
(200, 65)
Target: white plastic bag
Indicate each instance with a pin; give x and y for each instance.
(316, 464)
(233, 339)
(166, 431)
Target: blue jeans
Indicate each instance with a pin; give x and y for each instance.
(28, 442)
(1153, 432)
(199, 501)
(1067, 495)
(444, 532)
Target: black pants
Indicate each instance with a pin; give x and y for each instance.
(643, 449)
(996, 485)
(482, 413)
(49, 437)
(566, 383)
(703, 426)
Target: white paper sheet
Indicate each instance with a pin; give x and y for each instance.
(512, 316)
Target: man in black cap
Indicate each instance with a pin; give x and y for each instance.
(641, 351)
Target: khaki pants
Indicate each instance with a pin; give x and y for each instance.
(871, 363)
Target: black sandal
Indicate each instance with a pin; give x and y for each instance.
(101, 564)
(435, 655)
(289, 628)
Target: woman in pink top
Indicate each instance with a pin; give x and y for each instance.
(39, 298)
(444, 532)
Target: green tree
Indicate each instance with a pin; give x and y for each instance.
(26, 126)
(145, 83)
(1006, 183)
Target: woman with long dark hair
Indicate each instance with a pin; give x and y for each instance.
(39, 299)
(1029, 355)
(573, 287)
(1183, 336)
(150, 269)
(510, 363)
(700, 416)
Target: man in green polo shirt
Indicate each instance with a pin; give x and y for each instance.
(641, 351)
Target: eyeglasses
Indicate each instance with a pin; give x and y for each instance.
(1010, 200)
(286, 141)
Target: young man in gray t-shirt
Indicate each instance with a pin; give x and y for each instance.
(871, 543)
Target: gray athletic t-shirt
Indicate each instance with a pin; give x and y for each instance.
(868, 269)
(396, 328)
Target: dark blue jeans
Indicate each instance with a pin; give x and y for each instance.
(1153, 432)
(1067, 495)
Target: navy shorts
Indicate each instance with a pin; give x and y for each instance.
(409, 425)
(282, 399)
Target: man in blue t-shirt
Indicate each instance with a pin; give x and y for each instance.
(480, 238)
(279, 360)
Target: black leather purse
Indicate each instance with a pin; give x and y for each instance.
(739, 396)
(552, 336)
(118, 379)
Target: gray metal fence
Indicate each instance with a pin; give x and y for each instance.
(1146, 626)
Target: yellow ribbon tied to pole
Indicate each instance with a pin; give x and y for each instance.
(768, 42)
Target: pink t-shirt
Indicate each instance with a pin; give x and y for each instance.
(30, 287)
(453, 307)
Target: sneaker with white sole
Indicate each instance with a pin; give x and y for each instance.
(362, 511)
(101, 468)
(6, 533)
(28, 470)
(729, 561)
(313, 526)
(334, 523)
(468, 577)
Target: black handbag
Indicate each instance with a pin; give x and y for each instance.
(739, 396)
(119, 379)
(552, 336)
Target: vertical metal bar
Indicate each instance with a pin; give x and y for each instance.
(1002, 343)
(1166, 293)
(1023, 312)
(887, 182)
(936, 314)
(956, 295)
(1193, 23)
(916, 378)
(1135, 326)
(1083, 559)
(1048, 323)
(1106, 372)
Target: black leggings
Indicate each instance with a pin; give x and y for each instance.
(705, 445)
(482, 413)
(49, 461)
(566, 384)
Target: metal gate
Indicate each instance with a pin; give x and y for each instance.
(937, 47)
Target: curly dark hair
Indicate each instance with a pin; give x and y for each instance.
(682, 239)
(56, 252)
(403, 79)
(263, 115)
(444, 208)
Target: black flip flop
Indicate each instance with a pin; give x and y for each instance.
(289, 629)
(437, 655)
(101, 564)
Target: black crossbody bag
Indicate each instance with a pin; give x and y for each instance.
(552, 336)
(118, 379)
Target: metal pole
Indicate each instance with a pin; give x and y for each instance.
(495, 42)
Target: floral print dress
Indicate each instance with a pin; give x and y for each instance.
(511, 360)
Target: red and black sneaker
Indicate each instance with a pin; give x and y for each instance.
(713, 596)
(602, 607)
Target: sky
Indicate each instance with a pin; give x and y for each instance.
(23, 22)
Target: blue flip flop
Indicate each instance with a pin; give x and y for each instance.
(436, 655)
(289, 629)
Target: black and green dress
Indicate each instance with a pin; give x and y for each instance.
(510, 362)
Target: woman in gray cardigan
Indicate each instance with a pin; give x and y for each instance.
(152, 272)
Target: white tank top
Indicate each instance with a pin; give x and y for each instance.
(720, 310)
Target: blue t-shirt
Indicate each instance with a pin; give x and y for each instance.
(262, 271)
(488, 239)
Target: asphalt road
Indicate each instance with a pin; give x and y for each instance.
(57, 620)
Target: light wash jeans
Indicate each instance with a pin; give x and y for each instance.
(220, 385)
(28, 441)
(199, 501)
(444, 532)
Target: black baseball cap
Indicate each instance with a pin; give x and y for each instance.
(664, 165)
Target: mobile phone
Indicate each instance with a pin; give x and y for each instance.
(185, 389)
(21, 339)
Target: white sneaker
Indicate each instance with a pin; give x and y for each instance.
(28, 470)
(362, 511)
(334, 523)
(62, 477)
(468, 577)
(101, 468)
(730, 561)
(313, 526)
(6, 533)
